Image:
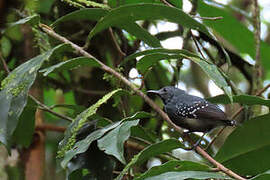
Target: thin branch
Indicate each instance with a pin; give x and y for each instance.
(46, 108)
(257, 33)
(197, 45)
(208, 18)
(198, 149)
(120, 52)
(92, 92)
(49, 127)
(166, 3)
(4, 64)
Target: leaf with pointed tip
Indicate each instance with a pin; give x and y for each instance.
(97, 14)
(113, 142)
(242, 99)
(173, 166)
(151, 151)
(188, 175)
(71, 64)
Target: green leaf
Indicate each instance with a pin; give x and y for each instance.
(96, 14)
(144, 11)
(263, 176)
(26, 126)
(231, 35)
(5, 46)
(71, 64)
(31, 20)
(173, 166)
(189, 174)
(70, 134)
(113, 142)
(14, 92)
(82, 14)
(246, 150)
(150, 57)
(151, 151)
(242, 99)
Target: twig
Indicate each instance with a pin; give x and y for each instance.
(79, 50)
(49, 127)
(234, 116)
(166, 3)
(116, 45)
(196, 44)
(257, 28)
(46, 108)
(92, 92)
(4, 64)
(208, 18)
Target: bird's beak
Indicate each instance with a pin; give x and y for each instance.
(154, 91)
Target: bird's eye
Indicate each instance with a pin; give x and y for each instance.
(165, 89)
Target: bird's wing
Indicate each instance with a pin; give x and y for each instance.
(200, 109)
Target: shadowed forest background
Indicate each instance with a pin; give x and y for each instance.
(74, 76)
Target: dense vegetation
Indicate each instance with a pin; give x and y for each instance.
(74, 78)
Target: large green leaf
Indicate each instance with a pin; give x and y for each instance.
(173, 166)
(146, 11)
(113, 142)
(242, 99)
(71, 64)
(14, 92)
(246, 150)
(151, 151)
(96, 14)
(239, 37)
(70, 134)
(150, 57)
(188, 174)
(82, 145)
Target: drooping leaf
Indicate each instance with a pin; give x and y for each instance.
(242, 99)
(145, 11)
(70, 135)
(150, 57)
(26, 126)
(14, 91)
(188, 174)
(113, 142)
(151, 151)
(93, 14)
(82, 146)
(71, 64)
(244, 46)
(31, 20)
(97, 14)
(246, 150)
(173, 166)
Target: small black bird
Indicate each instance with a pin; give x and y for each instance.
(191, 112)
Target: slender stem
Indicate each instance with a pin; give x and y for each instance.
(4, 64)
(166, 3)
(49, 127)
(46, 108)
(79, 50)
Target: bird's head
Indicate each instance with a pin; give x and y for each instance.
(166, 93)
